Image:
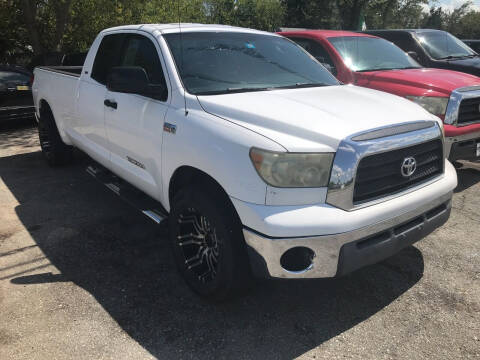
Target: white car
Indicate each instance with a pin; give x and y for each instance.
(263, 162)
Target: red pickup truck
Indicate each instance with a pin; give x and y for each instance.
(373, 62)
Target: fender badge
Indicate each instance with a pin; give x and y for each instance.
(135, 162)
(169, 128)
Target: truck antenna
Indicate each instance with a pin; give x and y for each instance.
(181, 55)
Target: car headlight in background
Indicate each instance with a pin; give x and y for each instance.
(433, 104)
(289, 170)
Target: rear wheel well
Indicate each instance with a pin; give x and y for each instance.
(45, 108)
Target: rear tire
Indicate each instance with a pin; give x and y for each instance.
(208, 244)
(55, 151)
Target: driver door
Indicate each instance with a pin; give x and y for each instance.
(134, 123)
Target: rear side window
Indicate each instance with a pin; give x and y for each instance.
(140, 51)
(108, 56)
(318, 52)
(403, 40)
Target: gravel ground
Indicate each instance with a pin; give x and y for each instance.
(83, 275)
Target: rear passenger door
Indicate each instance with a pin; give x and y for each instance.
(88, 125)
(135, 127)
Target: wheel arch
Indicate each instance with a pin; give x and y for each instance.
(45, 108)
(186, 175)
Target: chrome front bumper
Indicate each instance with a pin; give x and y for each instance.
(341, 253)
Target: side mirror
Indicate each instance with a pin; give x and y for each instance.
(413, 55)
(128, 79)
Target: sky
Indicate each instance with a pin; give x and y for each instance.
(452, 4)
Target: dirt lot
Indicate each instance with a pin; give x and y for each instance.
(83, 275)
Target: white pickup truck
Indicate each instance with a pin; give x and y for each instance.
(266, 165)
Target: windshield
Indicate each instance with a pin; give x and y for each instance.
(369, 54)
(442, 45)
(222, 62)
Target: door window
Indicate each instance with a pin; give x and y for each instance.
(140, 51)
(107, 56)
(318, 52)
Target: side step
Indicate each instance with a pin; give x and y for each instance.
(136, 198)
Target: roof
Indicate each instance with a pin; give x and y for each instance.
(325, 33)
(184, 27)
(15, 68)
(417, 31)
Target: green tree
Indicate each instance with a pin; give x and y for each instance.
(469, 26)
(312, 14)
(394, 14)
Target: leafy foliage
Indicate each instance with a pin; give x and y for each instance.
(37, 27)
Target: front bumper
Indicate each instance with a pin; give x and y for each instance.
(463, 147)
(340, 240)
(339, 254)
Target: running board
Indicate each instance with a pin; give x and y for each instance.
(136, 198)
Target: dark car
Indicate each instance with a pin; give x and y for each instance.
(434, 49)
(474, 44)
(16, 100)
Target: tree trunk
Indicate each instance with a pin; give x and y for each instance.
(387, 11)
(62, 15)
(29, 8)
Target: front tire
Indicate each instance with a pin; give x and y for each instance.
(208, 244)
(55, 151)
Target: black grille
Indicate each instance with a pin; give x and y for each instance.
(469, 111)
(380, 174)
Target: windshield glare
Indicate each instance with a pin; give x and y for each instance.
(369, 54)
(440, 45)
(222, 62)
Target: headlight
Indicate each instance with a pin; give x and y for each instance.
(433, 104)
(282, 169)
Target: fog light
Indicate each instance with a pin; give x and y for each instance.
(297, 259)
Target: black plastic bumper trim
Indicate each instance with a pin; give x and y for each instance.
(381, 246)
(464, 150)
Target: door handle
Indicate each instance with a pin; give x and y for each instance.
(110, 103)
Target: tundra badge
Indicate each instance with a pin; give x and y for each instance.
(135, 162)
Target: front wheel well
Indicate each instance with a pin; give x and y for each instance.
(186, 176)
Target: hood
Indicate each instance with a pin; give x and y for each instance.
(467, 65)
(313, 119)
(431, 80)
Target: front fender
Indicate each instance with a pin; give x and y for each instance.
(218, 148)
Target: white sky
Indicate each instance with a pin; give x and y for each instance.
(452, 4)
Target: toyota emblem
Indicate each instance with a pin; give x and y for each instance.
(409, 166)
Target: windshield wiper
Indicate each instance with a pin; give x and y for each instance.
(394, 68)
(301, 85)
(233, 90)
(379, 69)
(450, 57)
(250, 89)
